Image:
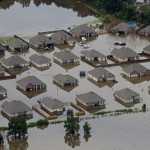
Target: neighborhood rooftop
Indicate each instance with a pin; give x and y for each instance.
(124, 52)
(90, 98)
(15, 107)
(126, 94)
(51, 103)
(14, 60)
(92, 53)
(65, 55)
(39, 59)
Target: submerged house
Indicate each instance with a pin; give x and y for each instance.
(93, 56)
(40, 61)
(135, 71)
(127, 97)
(41, 42)
(145, 31)
(16, 109)
(52, 106)
(101, 75)
(62, 37)
(121, 28)
(31, 85)
(146, 50)
(83, 31)
(65, 81)
(124, 54)
(14, 62)
(90, 101)
(66, 58)
(3, 93)
(16, 44)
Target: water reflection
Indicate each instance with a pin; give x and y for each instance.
(18, 145)
(74, 5)
(73, 140)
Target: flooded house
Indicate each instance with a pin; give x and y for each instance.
(93, 57)
(124, 54)
(41, 42)
(41, 62)
(2, 72)
(127, 97)
(31, 86)
(62, 37)
(99, 75)
(135, 71)
(17, 44)
(52, 106)
(66, 58)
(16, 109)
(3, 93)
(146, 50)
(90, 101)
(122, 29)
(15, 64)
(83, 31)
(145, 31)
(67, 81)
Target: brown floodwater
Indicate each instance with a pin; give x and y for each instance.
(112, 133)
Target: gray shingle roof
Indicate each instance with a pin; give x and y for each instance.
(90, 98)
(14, 60)
(29, 80)
(145, 30)
(126, 94)
(40, 39)
(138, 68)
(147, 48)
(121, 27)
(15, 107)
(17, 43)
(65, 78)
(51, 103)
(124, 52)
(82, 29)
(92, 53)
(100, 73)
(65, 55)
(39, 59)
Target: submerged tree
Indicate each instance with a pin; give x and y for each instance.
(87, 131)
(71, 125)
(17, 128)
(144, 107)
(1, 139)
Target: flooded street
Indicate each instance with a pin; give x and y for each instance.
(113, 133)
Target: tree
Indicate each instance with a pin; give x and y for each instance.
(71, 125)
(17, 128)
(1, 139)
(87, 131)
(144, 107)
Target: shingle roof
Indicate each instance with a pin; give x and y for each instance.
(126, 94)
(135, 68)
(82, 29)
(147, 48)
(15, 107)
(65, 55)
(124, 52)
(40, 39)
(92, 53)
(39, 59)
(64, 78)
(51, 103)
(29, 80)
(145, 30)
(90, 98)
(14, 60)
(100, 73)
(121, 27)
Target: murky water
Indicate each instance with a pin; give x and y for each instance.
(116, 133)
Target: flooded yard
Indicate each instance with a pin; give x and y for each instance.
(127, 132)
